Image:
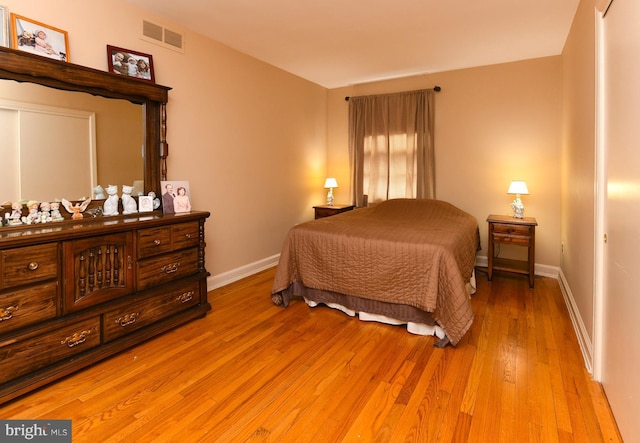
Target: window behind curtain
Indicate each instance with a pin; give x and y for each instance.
(391, 146)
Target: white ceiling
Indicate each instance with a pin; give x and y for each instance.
(337, 43)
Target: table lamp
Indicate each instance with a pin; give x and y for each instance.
(330, 183)
(518, 187)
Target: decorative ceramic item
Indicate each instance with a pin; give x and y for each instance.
(16, 214)
(110, 206)
(34, 215)
(45, 212)
(98, 191)
(156, 200)
(129, 205)
(75, 209)
(55, 212)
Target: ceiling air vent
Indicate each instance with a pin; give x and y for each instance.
(162, 36)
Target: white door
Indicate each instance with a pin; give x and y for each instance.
(620, 352)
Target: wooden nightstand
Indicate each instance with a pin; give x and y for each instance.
(328, 211)
(513, 231)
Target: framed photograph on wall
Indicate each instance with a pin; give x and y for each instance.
(4, 27)
(35, 37)
(131, 63)
(176, 197)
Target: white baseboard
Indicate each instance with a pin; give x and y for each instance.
(219, 280)
(586, 346)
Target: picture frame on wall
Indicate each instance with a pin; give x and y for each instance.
(4, 25)
(130, 63)
(176, 197)
(38, 38)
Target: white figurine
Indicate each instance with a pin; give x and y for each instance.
(33, 216)
(45, 212)
(55, 212)
(99, 192)
(76, 209)
(129, 205)
(110, 206)
(16, 214)
(156, 200)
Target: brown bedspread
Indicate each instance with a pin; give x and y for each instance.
(405, 251)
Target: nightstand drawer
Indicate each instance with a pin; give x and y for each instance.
(511, 229)
(511, 239)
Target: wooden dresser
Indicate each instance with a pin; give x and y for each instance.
(75, 292)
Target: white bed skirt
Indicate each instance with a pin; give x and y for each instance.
(414, 328)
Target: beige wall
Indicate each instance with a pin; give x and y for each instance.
(494, 124)
(578, 160)
(250, 138)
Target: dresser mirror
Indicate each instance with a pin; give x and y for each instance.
(68, 128)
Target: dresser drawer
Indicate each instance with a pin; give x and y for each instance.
(27, 306)
(154, 241)
(185, 235)
(168, 267)
(148, 310)
(26, 356)
(29, 264)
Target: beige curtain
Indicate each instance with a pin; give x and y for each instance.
(391, 146)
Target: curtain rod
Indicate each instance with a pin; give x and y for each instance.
(435, 88)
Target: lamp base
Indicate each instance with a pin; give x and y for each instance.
(330, 197)
(518, 207)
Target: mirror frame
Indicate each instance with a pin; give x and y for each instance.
(21, 66)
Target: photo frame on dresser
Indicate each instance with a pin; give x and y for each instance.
(145, 203)
(37, 38)
(176, 197)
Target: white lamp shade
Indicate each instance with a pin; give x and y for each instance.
(331, 183)
(518, 187)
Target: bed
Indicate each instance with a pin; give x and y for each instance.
(402, 261)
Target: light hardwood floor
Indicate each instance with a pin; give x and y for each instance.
(251, 371)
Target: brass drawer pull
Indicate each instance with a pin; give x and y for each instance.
(171, 268)
(77, 338)
(33, 266)
(7, 313)
(185, 297)
(128, 319)
(188, 235)
(157, 242)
